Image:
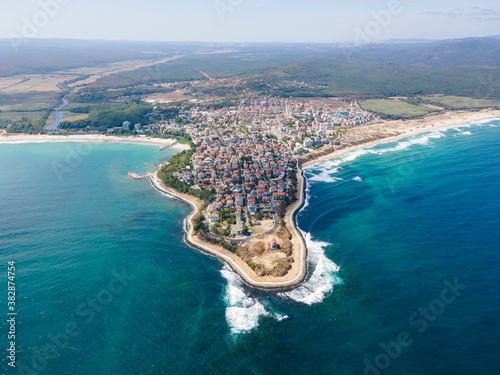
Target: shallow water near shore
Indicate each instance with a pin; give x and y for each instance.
(385, 228)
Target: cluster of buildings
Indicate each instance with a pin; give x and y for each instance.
(128, 127)
(248, 174)
(245, 152)
(303, 126)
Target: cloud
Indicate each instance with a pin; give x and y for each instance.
(474, 13)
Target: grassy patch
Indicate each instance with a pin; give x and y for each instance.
(461, 102)
(18, 116)
(70, 116)
(394, 108)
(28, 101)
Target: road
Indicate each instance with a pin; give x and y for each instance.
(205, 74)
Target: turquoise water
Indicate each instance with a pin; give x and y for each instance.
(389, 229)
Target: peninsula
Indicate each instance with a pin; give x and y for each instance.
(241, 173)
(243, 179)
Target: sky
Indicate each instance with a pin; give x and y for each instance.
(312, 21)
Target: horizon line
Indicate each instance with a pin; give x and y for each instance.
(392, 40)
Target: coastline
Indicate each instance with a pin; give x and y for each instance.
(236, 263)
(401, 129)
(378, 133)
(92, 138)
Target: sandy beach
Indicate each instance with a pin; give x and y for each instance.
(93, 138)
(388, 131)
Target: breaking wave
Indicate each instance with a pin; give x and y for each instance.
(329, 168)
(326, 176)
(408, 142)
(357, 178)
(307, 196)
(485, 121)
(323, 278)
(243, 311)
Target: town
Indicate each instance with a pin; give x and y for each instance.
(247, 156)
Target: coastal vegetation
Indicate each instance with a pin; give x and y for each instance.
(177, 163)
(101, 118)
(394, 109)
(460, 102)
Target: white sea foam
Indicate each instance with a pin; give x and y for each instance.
(330, 168)
(357, 178)
(404, 144)
(324, 276)
(307, 196)
(326, 176)
(462, 132)
(485, 121)
(280, 317)
(329, 164)
(327, 170)
(351, 156)
(243, 311)
(436, 135)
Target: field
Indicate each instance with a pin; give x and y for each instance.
(96, 73)
(461, 102)
(32, 83)
(395, 108)
(18, 116)
(28, 101)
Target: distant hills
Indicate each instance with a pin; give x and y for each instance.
(394, 67)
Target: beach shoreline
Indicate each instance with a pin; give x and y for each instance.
(409, 128)
(378, 133)
(6, 138)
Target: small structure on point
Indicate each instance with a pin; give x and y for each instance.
(274, 244)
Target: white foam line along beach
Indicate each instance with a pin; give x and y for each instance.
(91, 138)
(432, 125)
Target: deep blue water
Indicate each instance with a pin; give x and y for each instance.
(389, 230)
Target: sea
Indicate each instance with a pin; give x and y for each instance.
(404, 266)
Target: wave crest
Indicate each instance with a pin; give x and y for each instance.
(323, 278)
(243, 311)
